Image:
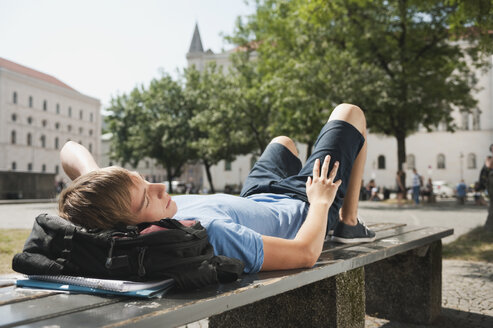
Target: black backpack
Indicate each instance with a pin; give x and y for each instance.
(170, 250)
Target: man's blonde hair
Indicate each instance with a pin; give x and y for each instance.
(99, 199)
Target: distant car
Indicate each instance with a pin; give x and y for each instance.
(443, 189)
(179, 187)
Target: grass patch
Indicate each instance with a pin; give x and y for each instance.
(476, 245)
(11, 242)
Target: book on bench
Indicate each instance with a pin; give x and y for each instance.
(98, 286)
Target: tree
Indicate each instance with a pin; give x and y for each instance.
(396, 59)
(216, 131)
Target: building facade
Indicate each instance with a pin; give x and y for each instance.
(38, 114)
(438, 155)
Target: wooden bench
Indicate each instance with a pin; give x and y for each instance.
(398, 277)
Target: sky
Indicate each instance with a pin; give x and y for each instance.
(103, 48)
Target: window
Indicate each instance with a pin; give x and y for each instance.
(57, 125)
(476, 115)
(29, 166)
(465, 120)
(45, 105)
(70, 111)
(13, 137)
(410, 162)
(471, 161)
(43, 168)
(29, 120)
(56, 143)
(14, 99)
(43, 141)
(81, 130)
(14, 117)
(44, 122)
(90, 148)
(90, 132)
(381, 162)
(29, 139)
(58, 108)
(227, 165)
(441, 161)
(81, 114)
(91, 117)
(30, 101)
(57, 169)
(14, 166)
(69, 128)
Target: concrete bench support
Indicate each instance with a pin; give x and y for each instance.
(338, 301)
(406, 287)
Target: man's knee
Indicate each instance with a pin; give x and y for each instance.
(351, 114)
(286, 142)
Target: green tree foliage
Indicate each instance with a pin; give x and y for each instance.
(396, 59)
(217, 133)
(152, 123)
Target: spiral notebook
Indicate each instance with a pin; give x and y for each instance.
(106, 284)
(74, 284)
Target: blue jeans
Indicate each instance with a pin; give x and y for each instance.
(416, 194)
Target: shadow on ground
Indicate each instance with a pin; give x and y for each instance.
(448, 318)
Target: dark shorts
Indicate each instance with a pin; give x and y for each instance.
(279, 171)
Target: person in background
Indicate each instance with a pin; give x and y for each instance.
(399, 186)
(417, 183)
(460, 191)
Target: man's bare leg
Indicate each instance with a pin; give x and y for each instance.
(286, 142)
(355, 116)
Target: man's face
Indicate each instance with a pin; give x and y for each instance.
(150, 201)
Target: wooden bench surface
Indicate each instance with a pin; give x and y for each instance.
(25, 307)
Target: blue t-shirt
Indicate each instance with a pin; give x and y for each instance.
(235, 224)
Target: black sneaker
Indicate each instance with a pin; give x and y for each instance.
(347, 234)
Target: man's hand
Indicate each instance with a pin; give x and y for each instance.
(322, 188)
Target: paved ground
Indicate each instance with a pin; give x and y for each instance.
(467, 296)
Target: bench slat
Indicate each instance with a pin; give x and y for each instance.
(181, 308)
(11, 294)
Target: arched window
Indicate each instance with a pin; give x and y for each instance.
(476, 115)
(57, 125)
(45, 105)
(29, 139)
(381, 162)
(44, 122)
(58, 108)
(81, 130)
(69, 128)
(43, 168)
(30, 101)
(410, 162)
(43, 141)
(29, 120)
(56, 143)
(14, 166)
(81, 114)
(57, 169)
(90, 132)
(90, 148)
(13, 138)
(29, 166)
(91, 117)
(471, 161)
(227, 165)
(14, 117)
(14, 97)
(465, 120)
(70, 111)
(441, 161)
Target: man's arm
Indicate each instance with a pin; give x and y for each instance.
(304, 250)
(76, 160)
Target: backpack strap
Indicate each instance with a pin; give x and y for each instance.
(67, 245)
(199, 233)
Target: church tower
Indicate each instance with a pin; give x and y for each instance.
(196, 53)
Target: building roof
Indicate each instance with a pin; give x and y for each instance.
(14, 67)
(196, 45)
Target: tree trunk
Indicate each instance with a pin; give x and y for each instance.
(209, 175)
(309, 147)
(169, 173)
(401, 158)
(489, 221)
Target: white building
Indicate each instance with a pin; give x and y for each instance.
(439, 154)
(38, 114)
